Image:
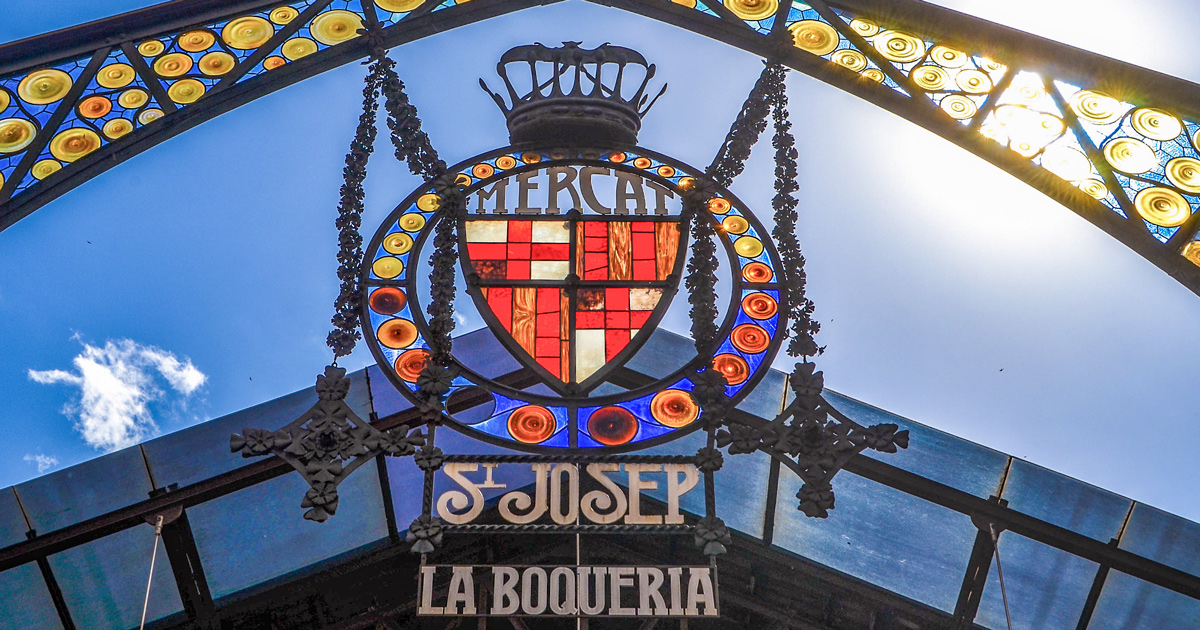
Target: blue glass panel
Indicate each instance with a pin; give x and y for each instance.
(25, 601)
(931, 453)
(12, 523)
(482, 352)
(766, 400)
(86, 490)
(1065, 502)
(883, 536)
(1127, 603)
(104, 581)
(663, 353)
(259, 533)
(1046, 587)
(386, 399)
(1163, 537)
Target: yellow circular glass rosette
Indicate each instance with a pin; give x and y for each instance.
(1095, 108)
(1162, 206)
(196, 41)
(335, 27)
(959, 107)
(173, 65)
(42, 87)
(117, 127)
(411, 222)
(16, 134)
(186, 91)
(900, 47)
(1184, 172)
(930, 78)
(45, 168)
(115, 76)
(533, 157)
(814, 36)
(1066, 162)
(94, 107)
(1094, 187)
(505, 162)
(850, 59)
(216, 63)
(151, 47)
(397, 243)
(150, 115)
(4, 100)
(873, 74)
(674, 408)
(274, 61)
(482, 170)
(72, 144)
(973, 81)
(735, 224)
(718, 205)
(247, 33)
(666, 171)
(1130, 155)
(748, 247)
(398, 6)
(948, 57)
(1156, 124)
(133, 98)
(283, 15)
(298, 47)
(865, 28)
(691, 4)
(388, 267)
(752, 9)
(428, 202)
(641, 162)
(1191, 251)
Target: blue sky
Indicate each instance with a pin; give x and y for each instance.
(949, 292)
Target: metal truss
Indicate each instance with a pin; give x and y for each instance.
(1112, 142)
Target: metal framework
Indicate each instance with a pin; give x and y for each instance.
(1112, 142)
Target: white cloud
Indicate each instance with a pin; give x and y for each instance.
(117, 383)
(44, 462)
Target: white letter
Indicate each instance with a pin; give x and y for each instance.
(600, 499)
(660, 197)
(458, 500)
(589, 194)
(505, 600)
(536, 507)
(629, 186)
(621, 576)
(556, 185)
(562, 601)
(676, 576)
(524, 185)
(700, 591)
(581, 588)
(528, 591)
(650, 579)
(636, 485)
(676, 488)
(462, 592)
(556, 512)
(427, 607)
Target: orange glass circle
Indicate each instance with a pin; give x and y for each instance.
(717, 205)
(760, 306)
(410, 364)
(750, 338)
(732, 367)
(462, 179)
(618, 157)
(505, 162)
(642, 162)
(274, 61)
(757, 272)
(687, 183)
(674, 408)
(612, 426)
(531, 157)
(531, 424)
(388, 300)
(482, 170)
(666, 171)
(397, 333)
(94, 107)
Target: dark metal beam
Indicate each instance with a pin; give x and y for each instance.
(190, 579)
(971, 593)
(56, 596)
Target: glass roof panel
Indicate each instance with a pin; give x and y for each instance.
(1046, 587)
(86, 490)
(259, 533)
(104, 581)
(1163, 537)
(1065, 502)
(202, 451)
(12, 523)
(1127, 603)
(766, 399)
(931, 453)
(25, 601)
(888, 538)
(663, 353)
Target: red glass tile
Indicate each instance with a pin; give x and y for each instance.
(616, 299)
(519, 231)
(547, 300)
(593, 244)
(644, 270)
(616, 319)
(518, 251)
(551, 364)
(589, 319)
(500, 300)
(643, 246)
(637, 319)
(486, 251)
(643, 226)
(595, 228)
(547, 324)
(547, 347)
(518, 269)
(614, 342)
(551, 251)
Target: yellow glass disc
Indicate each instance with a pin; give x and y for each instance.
(691, 4)
(42, 87)
(150, 115)
(873, 74)
(815, 37)
(387, 267)
(151, 47)
(1184, 172)
(1191, 251)
(482, 171)
(959, 107)
(195, 41)
(117, 127)
(1094, 187)
(72, 144)
(1096, 108)
(411, 222)
(973, 81)
(45, 168)
(505, 162)
(866, 28)
(900, 47)
(948, 57)
(748, 247)
(753, 9)
(1162, 206)
(186, 91)
(735, 224)
(717, 205)
(173, 65)
(115, 75)
(397, 243)
(247, 32)
(666, 171)
(1067, 163)
(687, 183)
(398, 6)
(674, 408)
(216, 63)
(298, 47)
(335, 27)
(462, 179)
(533, 157)
(642, 162)
(429, 202)
(16, 134)
(850, 59)
(930, 78)
(4, 100)
(94, 106)
(1130, 155)
(283, 15)
(274, 61)
(133, 98)
(1156, 124)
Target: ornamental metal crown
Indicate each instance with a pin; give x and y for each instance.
(575, 96)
